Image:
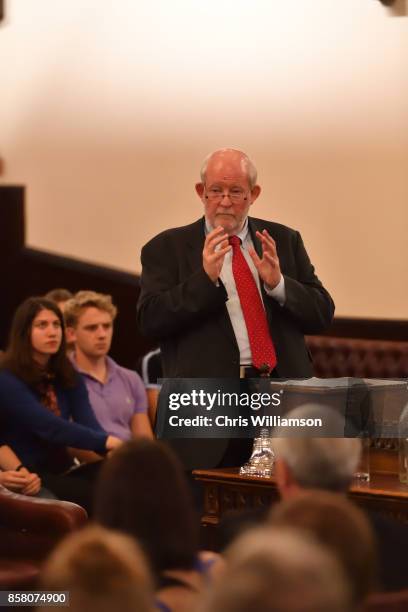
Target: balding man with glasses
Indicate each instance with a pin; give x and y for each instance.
(231, 295)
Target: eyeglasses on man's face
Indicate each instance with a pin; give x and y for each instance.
(235, 194)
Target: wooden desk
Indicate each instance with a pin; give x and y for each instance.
(225, 489)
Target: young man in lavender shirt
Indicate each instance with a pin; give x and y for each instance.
(117, 395)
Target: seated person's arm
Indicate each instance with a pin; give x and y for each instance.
(152, 397)
(88, 456)
(22, 480)
(8, 458)
(83, 413)
(18, 402)
(140, 426)
(84, 456)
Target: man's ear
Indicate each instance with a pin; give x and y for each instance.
(199, 187)
(255, 192)
(280, 475)
(70, 335)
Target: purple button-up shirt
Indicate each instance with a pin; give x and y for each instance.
(117, 400)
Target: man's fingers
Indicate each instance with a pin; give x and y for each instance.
(266, 238)
(220, 254)
(218, 231)
(215, 231)
(266, 256)
(268, 243)
(266, 235)
(215, 248)
(272, 260)
(213, 255)
(212, 243)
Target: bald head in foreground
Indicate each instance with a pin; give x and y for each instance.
(307, 462)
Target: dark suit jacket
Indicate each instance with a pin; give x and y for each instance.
(186, 312)
(392, 541)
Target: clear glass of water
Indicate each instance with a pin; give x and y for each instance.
(362, 474)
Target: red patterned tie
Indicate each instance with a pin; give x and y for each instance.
(262, 348)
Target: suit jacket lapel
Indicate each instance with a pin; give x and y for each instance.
(253, 227)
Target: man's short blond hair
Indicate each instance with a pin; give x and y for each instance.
(86, 299)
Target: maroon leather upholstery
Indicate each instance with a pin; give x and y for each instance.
(387, 602)
(29, 529)
(334, 357)
(18, 575)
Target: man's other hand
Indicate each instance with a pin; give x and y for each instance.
(268, 265)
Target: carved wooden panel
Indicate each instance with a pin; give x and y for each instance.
(226, 490)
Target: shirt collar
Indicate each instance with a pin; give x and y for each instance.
(111, 366)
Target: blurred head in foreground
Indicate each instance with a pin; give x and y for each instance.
(342, 527)
(279, 571)
(142, 491)
(102, 570)
(315, 462)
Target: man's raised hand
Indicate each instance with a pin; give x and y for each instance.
(268, 265)
(215, 248)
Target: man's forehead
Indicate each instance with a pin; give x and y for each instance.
(229, 176)
(91, 314)
(226, 172)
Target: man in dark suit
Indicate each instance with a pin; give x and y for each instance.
(190, 299)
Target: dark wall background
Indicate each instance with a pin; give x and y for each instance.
(25, 272)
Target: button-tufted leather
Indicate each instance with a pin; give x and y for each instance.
(333, 357)
(29, 529)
